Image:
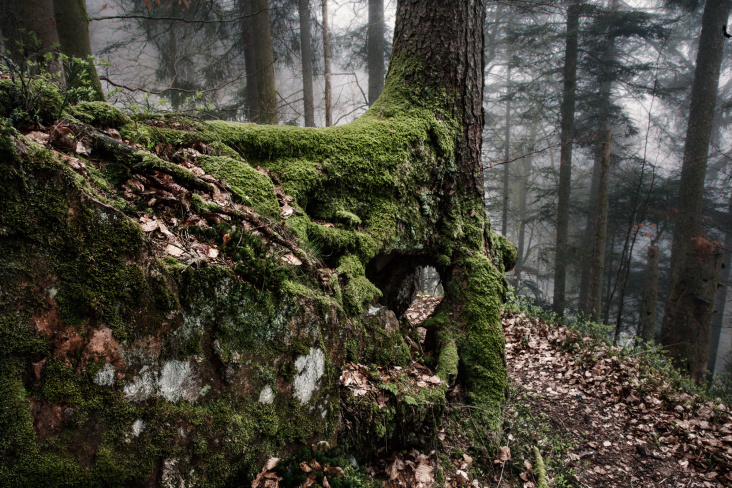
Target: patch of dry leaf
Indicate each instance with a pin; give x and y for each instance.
(631, 428)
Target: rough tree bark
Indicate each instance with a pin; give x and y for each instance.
(685, 329)
(307, 63)
(72, 24)
(565, 159)
(34, 17)
(376, 43)
(326, 61)
(597, 266)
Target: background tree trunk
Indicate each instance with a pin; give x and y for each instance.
(72, 24)
(526, 163)
(35, 17)
(376, 44)
(264, 63)
(720, 300)
(594, 296)
(307, 63)
(506, 150)
(250, 64)
(650, 296)
(695, 261)
(565, 158)
(326, 60)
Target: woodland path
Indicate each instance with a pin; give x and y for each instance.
(628, 427)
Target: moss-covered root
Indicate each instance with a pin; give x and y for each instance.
(474, 295)
(539, 469)
(448, 359)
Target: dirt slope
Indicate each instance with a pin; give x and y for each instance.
(630, 428)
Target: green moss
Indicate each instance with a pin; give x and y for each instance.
(99, 113)
(358, 291)
(253, 188)
(38, 100)
(505, 251)
(479, 287)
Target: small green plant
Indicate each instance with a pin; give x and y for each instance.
(42, 84)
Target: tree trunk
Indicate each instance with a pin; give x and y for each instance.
(72, 24)
(264, 63)
(35, 18)
(307, 63)
(695, 261)
(720, 299)
(649, 305)
(376, 44)
(326, 60)
(250, 64)
(526, 163)
(594, 296)
(565, 158)
(506, 149)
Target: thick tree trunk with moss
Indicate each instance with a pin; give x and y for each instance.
(72, 24)
(30, 30)
(695, 261)
(188, 315)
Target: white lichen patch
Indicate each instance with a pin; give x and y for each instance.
(105, 375)
(143, 387)
(310, 368)
(175, 381)
(137, 427)
(266, 396)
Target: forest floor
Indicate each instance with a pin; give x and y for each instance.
(621, 423)
(600, 416)
(597, 416)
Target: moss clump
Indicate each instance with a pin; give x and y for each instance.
(505, 252)
(255, 189)
(37, 100)
(358, 291)
(99, 114)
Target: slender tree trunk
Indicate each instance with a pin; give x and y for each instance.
(326, 61)
(720, 299)
(649, 305)
(250, 64)
(376, 46)
(602, 111)
(72, 24)
(264, 63)
(506, 150)
(594, 296)
(307, 63)
(33, 17)
(565, 158)
(526, 163)
(685, 329)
